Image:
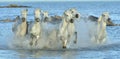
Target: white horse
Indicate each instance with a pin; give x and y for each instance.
(45, 19)
(21, 26)
(45, 16)
(15, 25)
(63, 34)
(100, 34)
(75, 16)
(35, 32)
(67, 27)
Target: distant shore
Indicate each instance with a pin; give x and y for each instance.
(15, 6)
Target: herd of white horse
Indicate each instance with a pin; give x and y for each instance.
(66, 31)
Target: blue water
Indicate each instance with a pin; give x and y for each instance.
(57, 8)
(108, 51)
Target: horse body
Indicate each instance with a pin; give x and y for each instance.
(20, 27)
(67, 28)
(100, 35)
(35, 31)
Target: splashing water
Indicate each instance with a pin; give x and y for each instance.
(49, 38)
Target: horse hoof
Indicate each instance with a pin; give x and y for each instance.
(64, 46)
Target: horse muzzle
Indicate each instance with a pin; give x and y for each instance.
(23, 19)
(71, 20)
(37, 19)
(77, 15)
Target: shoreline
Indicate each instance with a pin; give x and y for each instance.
(15, 6)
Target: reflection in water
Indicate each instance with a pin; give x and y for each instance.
(69, 55)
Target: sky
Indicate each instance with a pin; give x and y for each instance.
(56, 0)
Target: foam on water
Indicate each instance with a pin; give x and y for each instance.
(49, 39)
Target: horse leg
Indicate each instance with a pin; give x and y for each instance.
(64, 43)
(32, 37)
(75, 41)
(33, 41)
(36, 40)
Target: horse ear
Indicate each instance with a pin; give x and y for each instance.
(106, 14)
(73, 9)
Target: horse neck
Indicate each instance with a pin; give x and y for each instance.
(24, 23)
(104, 21)
(102, 25)
(65, 20)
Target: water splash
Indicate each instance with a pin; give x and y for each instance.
(49, 40)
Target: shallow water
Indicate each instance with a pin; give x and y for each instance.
(85, 49)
